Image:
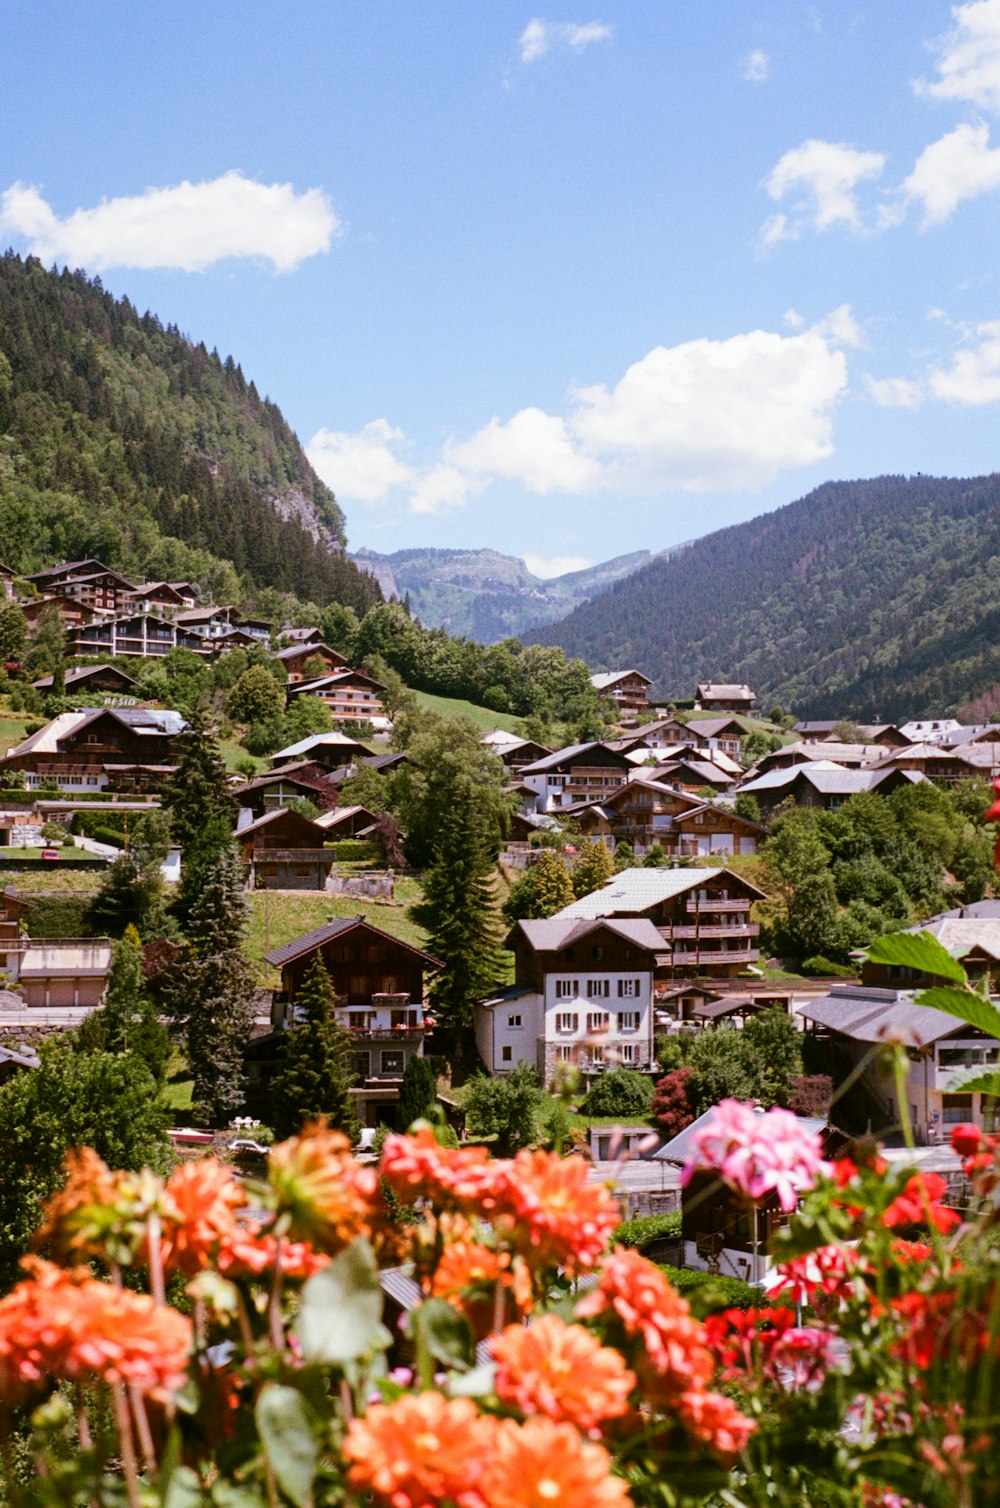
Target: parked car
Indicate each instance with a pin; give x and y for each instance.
(50, 853)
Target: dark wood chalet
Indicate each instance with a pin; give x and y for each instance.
(379, 984)
(107, 679)
(581, 772)
(285, 851)
(105, 748)
(297, 656)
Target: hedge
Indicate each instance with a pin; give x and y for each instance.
(644, 1229)
(708, 1292)
(354, 851)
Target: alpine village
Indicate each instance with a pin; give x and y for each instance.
(278, 854)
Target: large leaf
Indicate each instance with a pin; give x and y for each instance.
(285, 1425)
(444, 1332)
(965, 1004)
(340, 1315)
(976, 1081)
(916, 950)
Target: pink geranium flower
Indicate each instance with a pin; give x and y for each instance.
(758, 1153)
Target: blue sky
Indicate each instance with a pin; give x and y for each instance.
(564, 282)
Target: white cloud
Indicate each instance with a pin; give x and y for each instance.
(546, 567)
(793, 319)
(539, 37)
(841, 328)
(534, 448)
(756, 66)
(728, 414)
(820, 177)
(362, 466)
(961, 165)
(442, 487)
(969, 57)
(895, 392)
(974, 375)
(189, 226)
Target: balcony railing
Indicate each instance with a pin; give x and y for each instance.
(386, 1033)
(733, 929)
(293, 856)
(707, 956)
(716, 903)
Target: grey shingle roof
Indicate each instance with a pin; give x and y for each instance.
(553, 933)
(310, 941)
(870, 1015)
(639, 889)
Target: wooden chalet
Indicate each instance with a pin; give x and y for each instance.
(7, 579)
(347, 822)
(626, 690)
(350, 695)
(331, 751)
(104, 748)
(44, 581)
(102, 591)
(640, 813)
(703, 914)
(304, 781)
(13, 922)
(689, 773)
(715, 697)
(161, 598)
(297, 656)
(581, 772)
(379, 984)
(106, 679)
(708, 829)
(285, 851)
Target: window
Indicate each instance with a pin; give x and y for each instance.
(597, 953)
(628, 989)
(564, 1054)
(567, 1021)
(956, 1109)
(628, 1021)
(507, 1054)
(357, 1020)
(597, 1021)
(392, 1062)
(513, 1021)
(565, 989)
(598, 989)
(361, 1064)
(628, 1052)
(403, 1018)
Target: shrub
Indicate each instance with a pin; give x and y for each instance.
(645, 1229)
(620, 1092)
(355, 851)
(818, 966)
(672, 1109)
(812, 1094)
(709, 1292)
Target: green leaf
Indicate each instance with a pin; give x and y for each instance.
(916, 951)
(181, 1489)
(285, 1424)
(478, 1383)
(340, 1314)
(444, 1332)
(976, 1081)
(964, 1004)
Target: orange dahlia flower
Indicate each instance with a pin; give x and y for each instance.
(715, 1420)
(463, 1178)
(541, 1464)
(66, 1326)
(419, 1450)
(327, 1196)
(246, 1253)
(562, 1371)
(674, 1356)
(560, 1219)
(203, 1198)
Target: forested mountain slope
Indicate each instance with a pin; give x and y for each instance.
(868, 599)
(483, 594)
(122, 439)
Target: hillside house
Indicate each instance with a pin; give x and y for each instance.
(296, 657)
(689, 773)
(708, 829)
(330, 751)
(848, 756)
(62, 971)
(581, 772)
(103, 748)
(851, 1020)
(641, 813)
(102, 591)
(302, 780)
(105, 680)
(582, 993)
(45, 581)
(379, 984)
(13, 921)
(823, 784)
(627, 691)
(347, 822)
(161, 598)
(703, 915)
(285, 851)
(350, 695)
(7, 579)
(941, 764)
(513, 752)
(141, 635)
(717, 697)
(971, 934)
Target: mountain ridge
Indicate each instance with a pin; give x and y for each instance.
(875, 598)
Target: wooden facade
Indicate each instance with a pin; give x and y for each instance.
(285, 851)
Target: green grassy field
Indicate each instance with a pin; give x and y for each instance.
(12, 726)
(281, 915)
(66, 854)
(483, 717)
(233, 753)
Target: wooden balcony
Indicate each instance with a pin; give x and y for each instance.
(702, 956)
(732, 929)
(716, 905)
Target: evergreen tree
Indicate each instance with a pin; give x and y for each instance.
(198, 793)
(315, 1076)
(127, 1021)
(256, 697)
(210, 993)
(461, 914)
(418, 1091)
(13, 632)
(48, 648)
(543, 889)
(131, 893)
(593, 868)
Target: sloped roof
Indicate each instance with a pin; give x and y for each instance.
(605, 678)
(870, 1015)
(270, 817)
(828, 778)
(682, 1146)
(702, 769)
(711, 727)
(309, 647)
(317, 741)
(553, 933)
(84, 673)
(640, 889)
(310, 941)
(728, 690)
(563, 756)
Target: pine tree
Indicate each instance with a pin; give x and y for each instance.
(418, 1091)
(553, 886)
(592, 869)
(461, 914)
(128, 1021)
(315, 1074)
(198, 793)
(210, 994)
